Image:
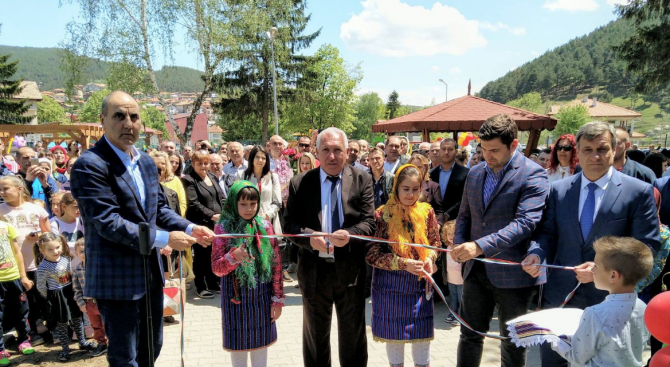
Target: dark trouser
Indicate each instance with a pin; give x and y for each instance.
(126, 322)
(317, 317)
(13, 311)
(479, 300)
(96, 321)
(35, 302)
(205, 279)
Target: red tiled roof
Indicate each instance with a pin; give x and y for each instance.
(199, 126)
(463, 114)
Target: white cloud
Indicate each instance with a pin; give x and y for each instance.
(394, 28)
(517, 31)
(434, 69)
(617, 2)
(455, 70)
(572, 5)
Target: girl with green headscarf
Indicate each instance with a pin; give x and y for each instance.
(252, 289)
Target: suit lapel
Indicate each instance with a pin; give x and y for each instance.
(119, 169)
(609, 198)
(347, 181)
(507, 177)
(572, 196)
(316, 184)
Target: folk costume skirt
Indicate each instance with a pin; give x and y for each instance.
(400, 311)
(246, 316)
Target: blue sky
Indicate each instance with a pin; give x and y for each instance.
(406, 45)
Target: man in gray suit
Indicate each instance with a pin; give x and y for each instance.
(599, 202)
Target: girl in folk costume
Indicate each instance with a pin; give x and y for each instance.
(402, 304)
(252, 293)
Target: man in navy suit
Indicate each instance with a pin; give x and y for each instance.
(116, 187)
(599, 202)
(501, 206)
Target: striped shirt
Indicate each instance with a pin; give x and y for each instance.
(492, 179)
(53, 275)
(78, 284)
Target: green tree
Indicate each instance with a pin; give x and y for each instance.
(247, 89)
(570, 119)
(48, 110)
(331, 101)
(369, 108)
(91, 110)
(153, 118)
(392, 105)
(11, 110)
(646, 51)
(246, 131)
(530, 102)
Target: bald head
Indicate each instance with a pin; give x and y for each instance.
(117, 94)
(120, 119)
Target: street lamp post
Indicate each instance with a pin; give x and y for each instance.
(271, 34)
(446, 92)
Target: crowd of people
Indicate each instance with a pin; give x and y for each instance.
(71, 261)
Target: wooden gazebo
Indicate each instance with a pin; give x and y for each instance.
(56, 132)
(465, 114)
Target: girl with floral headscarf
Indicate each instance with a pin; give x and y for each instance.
(252, 293)
(402, 304)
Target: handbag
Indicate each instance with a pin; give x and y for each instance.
(174, 291)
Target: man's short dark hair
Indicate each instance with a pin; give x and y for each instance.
(546, 151)
(499, 126)
(448, 140)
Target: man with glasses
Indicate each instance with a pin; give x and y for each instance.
(304, 144)
(352, 155)
(279, 164)
(424, 148)
(393, 157)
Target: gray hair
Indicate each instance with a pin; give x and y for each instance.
(594, 128)
(332, 131)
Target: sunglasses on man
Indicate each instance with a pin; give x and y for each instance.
(302, 145)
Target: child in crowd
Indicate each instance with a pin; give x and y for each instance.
(402, 303)
(252, 293)
(54, 282)
(13, 280)
(613, 333)
(69, 223)
(55, 204)
(87, 305)
(451, 273)
(29, 220)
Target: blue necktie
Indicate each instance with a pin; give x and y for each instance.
(334, 204)
(586, 219)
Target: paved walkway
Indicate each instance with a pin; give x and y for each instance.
(202, 332)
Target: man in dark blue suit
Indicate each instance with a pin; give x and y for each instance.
(500, 208)
(116, 187)
(598, 202)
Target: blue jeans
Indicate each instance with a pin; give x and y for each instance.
(455, 296)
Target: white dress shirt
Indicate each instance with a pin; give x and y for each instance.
(559, 174)
(611, 333)
(230, 169)
(325, 206)
(390, 167)
(599, 193)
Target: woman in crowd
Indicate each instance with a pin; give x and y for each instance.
(462, 157)
(307, 162)
(73, 149)
(430, 189)
(60, 159)
(60, 179)
(476, 157)
(258, 173)
(205, 199)
(177, 164)
(657, 163)
(404, 147)
(365, 161)
(563, 158)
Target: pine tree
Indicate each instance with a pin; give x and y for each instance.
(11, 111)
(392, 105)
(247, 90)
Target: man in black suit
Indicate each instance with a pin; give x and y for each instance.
(337, 200)
(451, 178)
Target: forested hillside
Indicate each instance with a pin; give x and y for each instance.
(42, 66)
(576, 67)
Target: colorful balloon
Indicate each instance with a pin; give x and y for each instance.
(657, 318)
